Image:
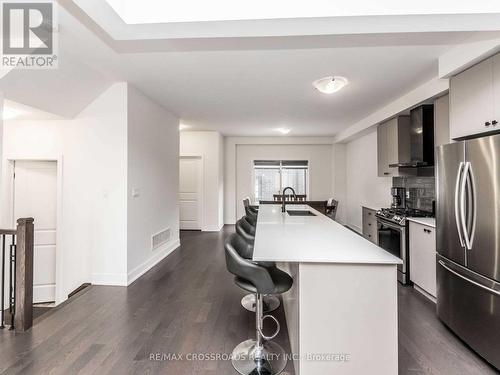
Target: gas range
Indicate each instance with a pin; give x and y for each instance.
(399, 215)
(392, 235)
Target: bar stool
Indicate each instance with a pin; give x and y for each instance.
(251, 216)
(259, 356)
(246, 203)
(246, 230)
(270, 303)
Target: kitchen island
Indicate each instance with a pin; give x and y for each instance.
(342, 309)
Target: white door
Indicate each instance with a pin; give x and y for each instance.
(35, 195)
(190, 183)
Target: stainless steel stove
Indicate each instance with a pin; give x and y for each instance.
(392, 230)
(399, 215)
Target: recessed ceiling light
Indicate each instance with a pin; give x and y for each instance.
(183, 126)
(9, 113)
(331, 84)
(283, 130)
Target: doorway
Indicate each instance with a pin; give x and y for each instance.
(190, 192)
(35, 195)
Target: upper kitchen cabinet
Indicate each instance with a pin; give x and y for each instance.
(442, 120)
(383, 158)
(496, 91)
(392, 139)
(475, 99)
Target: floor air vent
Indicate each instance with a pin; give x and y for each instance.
(160, 238)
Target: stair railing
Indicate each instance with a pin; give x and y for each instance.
(17, 257)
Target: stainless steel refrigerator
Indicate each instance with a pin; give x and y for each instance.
(468, 243)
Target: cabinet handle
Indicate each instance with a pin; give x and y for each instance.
(369, 235)
(487, 123)
(494, 122)
(369, 224)
(427, 230)
(386, 173)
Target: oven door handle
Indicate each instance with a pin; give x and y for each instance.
(390, 225)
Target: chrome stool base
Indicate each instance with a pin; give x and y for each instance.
(270, 303)
(269, 360)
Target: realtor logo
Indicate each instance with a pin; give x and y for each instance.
(28, 35)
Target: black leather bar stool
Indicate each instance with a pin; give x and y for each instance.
(245, 230)
(259, 355)
(247, 203)
(270, 303)
(251, 216)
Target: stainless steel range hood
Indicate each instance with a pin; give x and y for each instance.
(420, 150)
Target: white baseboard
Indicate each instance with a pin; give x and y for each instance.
(158, 255)
(44, 293)
(212, 228)
(423, 292)
(116, 279)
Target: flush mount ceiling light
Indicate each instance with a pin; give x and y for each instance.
(331, 84)
(283, 131)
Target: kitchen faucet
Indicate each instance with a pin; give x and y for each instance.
(283, 197)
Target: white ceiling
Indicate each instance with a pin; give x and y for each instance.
(252, 92)
(238, 86)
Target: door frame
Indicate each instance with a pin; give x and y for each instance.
(58, 159)
(202, 180)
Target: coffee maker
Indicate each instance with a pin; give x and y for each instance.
(398, 198)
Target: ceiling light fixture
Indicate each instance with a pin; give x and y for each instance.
(9, 113)
(331, 84)
(283, 131)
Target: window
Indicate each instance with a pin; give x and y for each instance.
(271, 176)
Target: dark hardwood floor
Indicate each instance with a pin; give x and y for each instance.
(189, 304)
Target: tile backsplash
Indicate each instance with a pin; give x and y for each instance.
(420, 191)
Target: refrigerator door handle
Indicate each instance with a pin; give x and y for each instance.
(472, 188)
(458, 203)
(493, 291)
(463, 219)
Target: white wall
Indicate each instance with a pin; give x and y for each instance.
(339, 183)
(98, 173)
(320, 168)
(363, 186)
(122, 140)
(91, 151)
(208, 145)
(1, 147)
(153, 173)
(237, 167)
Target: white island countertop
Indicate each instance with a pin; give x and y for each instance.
(311, 239)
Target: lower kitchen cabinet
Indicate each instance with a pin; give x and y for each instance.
(423, 257)
(370, 225)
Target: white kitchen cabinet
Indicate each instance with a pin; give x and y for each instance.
(382, 152)
(475, 99)
(370, 225)
(423, 257)
(442, 120)
(391, 142)
(496, 90)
